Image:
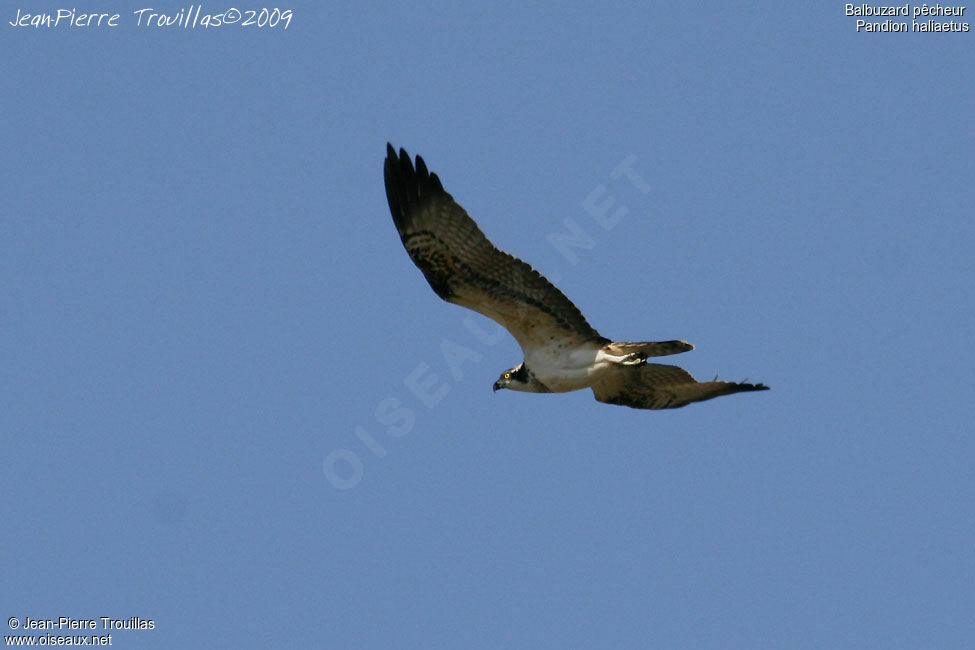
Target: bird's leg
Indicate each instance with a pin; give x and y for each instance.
(633, 359)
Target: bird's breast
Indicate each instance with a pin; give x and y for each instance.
(566, 369)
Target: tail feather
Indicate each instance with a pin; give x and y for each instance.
(645, 349)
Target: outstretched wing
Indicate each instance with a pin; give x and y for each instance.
(463, 267)
(659, 386)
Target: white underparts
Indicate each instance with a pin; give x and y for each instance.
(566, 370)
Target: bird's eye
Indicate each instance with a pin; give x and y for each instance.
(507, 375)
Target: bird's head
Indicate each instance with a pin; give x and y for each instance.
(513, 378)
(519, 378)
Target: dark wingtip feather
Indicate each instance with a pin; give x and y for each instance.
(753, 387)
(408, 186)
(435, 183)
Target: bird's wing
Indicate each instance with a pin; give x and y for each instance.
(463, 267)
(660, 386)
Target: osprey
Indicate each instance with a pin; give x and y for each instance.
(562, 351)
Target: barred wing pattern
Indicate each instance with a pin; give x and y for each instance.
(463, 267)
(661, 386)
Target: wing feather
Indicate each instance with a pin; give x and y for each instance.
(661, 386)
(463, 266)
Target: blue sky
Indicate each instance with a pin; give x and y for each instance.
(203, 299)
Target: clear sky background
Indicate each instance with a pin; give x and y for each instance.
(207, 324)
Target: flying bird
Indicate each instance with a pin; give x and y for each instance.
(562, 352)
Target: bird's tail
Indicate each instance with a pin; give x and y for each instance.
(637, 352)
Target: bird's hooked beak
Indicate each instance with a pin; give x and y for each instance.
(497, 385)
